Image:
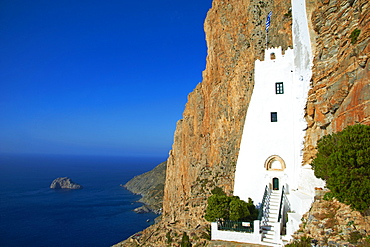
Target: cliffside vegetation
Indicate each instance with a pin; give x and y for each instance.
(343, 161)
(221, 206)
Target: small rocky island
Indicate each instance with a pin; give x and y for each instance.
(64, 183)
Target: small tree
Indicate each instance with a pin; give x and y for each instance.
(343, 161)
(238, 209)
(252, 210)
(218, 207)
(221, 206)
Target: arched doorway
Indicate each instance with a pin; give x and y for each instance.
(275, 184)
(275, 163)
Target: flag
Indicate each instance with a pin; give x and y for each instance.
(268, 21)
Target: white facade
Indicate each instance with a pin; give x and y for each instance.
(262, 138)
(270, 151)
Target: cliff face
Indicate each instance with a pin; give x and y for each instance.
(340, 93)
(207, 139)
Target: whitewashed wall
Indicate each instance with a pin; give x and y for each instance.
(240, 237)
(261, 137)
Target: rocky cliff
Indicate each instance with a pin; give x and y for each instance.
(340, 93)
(331, 223)
(150, 186)
(207, 139)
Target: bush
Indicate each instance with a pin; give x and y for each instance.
(354, 35)
(303, 242)
(217, 208)
(185, 241)
(238, 209)
(221, 206)
(343, 161)
(168, 237)
(218, 191)
(354, 237)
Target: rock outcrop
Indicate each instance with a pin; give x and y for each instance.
(332, 223)
(340, 93)
(64, 183)
(207, 139)
(150, 186)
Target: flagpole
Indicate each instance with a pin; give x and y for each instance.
(268, 19)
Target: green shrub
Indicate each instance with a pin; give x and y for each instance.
(343, 161)
(238, 209)
(217, 191)
(206, 235)
(185, 241)
(303, 242)
(168, 237)
(354, 237)
(354, 35)
(221, 206)
(328, 196)
(217, 208)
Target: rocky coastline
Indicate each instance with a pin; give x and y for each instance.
(150, 186)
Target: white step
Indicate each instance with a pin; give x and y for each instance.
(271, 241)
(269, 234)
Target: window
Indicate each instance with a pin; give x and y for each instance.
(273, 116)
(279, 88)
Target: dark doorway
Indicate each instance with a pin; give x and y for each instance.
(275, 184)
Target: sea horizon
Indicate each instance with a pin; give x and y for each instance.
(100, 214)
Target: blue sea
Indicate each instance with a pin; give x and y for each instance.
(100, 214)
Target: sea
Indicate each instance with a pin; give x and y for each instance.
(100, 214)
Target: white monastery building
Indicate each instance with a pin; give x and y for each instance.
(269, 168)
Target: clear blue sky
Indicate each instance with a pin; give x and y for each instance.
(106, 77)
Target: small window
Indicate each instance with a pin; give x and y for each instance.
(272, 56)
(273, 116)
(279, 88)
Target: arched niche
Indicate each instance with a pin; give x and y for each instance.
(275, 163)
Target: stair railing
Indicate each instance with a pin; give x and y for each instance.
(284, 204)
(264, 208)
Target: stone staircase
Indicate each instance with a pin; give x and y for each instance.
(271, 230)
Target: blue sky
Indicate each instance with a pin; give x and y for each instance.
(102, 77)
